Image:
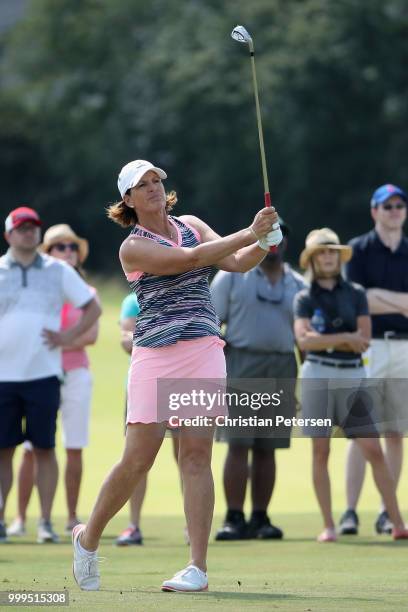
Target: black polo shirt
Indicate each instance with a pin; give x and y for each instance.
(374, 265)
(340, 308)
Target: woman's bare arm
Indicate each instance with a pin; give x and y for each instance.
(309, 339)
(242, 260)
(144, 255)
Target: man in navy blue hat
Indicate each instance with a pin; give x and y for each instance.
(380, 264)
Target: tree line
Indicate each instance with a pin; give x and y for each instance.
(87, 85)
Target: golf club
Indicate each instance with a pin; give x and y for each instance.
(240, 34)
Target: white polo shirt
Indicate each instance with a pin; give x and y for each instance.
(31, 300)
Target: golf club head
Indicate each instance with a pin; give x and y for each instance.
(240, 34)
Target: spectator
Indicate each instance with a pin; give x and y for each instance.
(61, 242)
(333, 326)
(33, 289)
(257, 310)
(380, 264)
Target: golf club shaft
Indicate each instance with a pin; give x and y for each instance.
(267, 195)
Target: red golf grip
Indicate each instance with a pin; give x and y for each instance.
(268, 204)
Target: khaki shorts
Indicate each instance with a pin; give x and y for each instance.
(386, 363)
(337, 397)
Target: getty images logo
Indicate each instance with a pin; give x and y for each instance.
(210, 400)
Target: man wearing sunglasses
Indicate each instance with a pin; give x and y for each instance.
(380, 264)
(33, 289)
(257, 308)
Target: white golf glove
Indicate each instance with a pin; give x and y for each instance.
(274, 238)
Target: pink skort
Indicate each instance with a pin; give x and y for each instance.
(201, 358)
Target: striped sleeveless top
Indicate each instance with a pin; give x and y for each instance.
(174, 307)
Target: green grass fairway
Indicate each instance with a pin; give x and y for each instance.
(364, 573)
(358, 573)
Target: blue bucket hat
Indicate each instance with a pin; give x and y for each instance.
(384, 192)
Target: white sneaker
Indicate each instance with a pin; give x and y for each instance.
(188, 580)
(17, 528)
(45, 533)
(85, 564)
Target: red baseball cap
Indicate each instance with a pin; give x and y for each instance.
(21, 215)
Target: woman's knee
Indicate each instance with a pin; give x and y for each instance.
(194, 460)
(143, 442)
(321, 451)
(372, 451)
(137, 465)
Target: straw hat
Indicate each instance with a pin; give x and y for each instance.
(323, 238)
(62, 231)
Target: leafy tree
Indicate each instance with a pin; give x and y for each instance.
(90, 84)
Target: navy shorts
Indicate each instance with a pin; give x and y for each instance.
(28, 411)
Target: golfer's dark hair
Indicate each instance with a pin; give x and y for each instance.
(125, 216)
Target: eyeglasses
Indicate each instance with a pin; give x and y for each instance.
(62, 247)
(399, 206)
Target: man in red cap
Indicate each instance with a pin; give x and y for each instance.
(22, 215)
(33, 289)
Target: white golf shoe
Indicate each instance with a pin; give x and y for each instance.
(17, 528)
(85, 564)
(189, 580)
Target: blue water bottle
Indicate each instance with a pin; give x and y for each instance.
(318, 323)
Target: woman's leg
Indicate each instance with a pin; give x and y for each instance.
(73, 477)
(132, 534)
(136, 501)
(394, 455)
(355, 473)
(143, 442)
(195, 446)
(175, 436)
(321, 480)
(372, 451)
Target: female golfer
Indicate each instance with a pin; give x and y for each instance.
(167, 262)
(333, 326)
